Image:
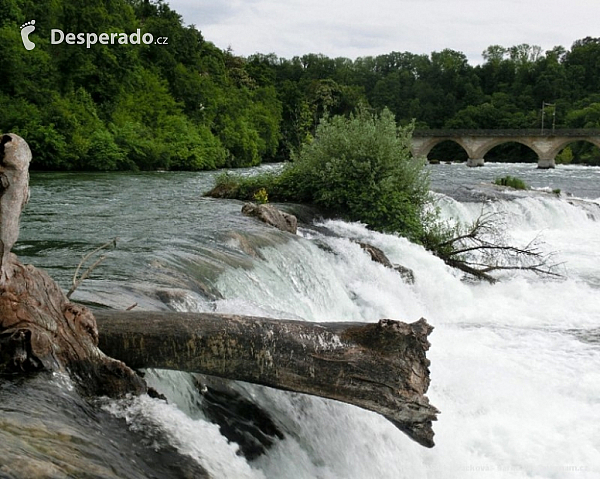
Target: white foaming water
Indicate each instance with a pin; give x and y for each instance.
(514, 367)
(195, 438)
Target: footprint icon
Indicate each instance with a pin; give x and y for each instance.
(26, 29)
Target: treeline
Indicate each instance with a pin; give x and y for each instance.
(442, 90)
(189, 105)
(185, 105)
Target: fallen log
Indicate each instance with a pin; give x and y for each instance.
(377, 366)
(40, 329)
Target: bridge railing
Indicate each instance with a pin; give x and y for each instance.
(568, 132)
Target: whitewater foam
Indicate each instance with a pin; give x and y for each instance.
(517, 388)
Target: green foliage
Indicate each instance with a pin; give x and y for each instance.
(512, 182)
(191, 105)
(177, 106)
(565, 157)
(261, 196)
(437, 234)
(359, 167)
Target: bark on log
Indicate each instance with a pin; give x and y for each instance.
(15, 156)
(39, 327)
(380, 366)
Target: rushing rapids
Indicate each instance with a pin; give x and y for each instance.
(515, 367)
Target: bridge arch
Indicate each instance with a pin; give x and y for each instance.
(511, 152)
(446, 150)
(422, 149)
(479, 142)
(489, 146)
(566, 142)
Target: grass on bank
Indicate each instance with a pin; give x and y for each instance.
(512, 182)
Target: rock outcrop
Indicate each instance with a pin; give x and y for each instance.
(272, 216)
(380, 257)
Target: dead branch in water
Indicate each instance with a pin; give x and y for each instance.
(78, 280)
(480, 249)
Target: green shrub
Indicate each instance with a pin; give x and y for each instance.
(103, 153)
(511, 181)
(565, 157)
(358, 167)
(261, 196)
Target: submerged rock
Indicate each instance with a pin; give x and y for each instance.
(272, 216)
(379, 256)
(239, 419)
(48, 430)
(245, 245)
(408, 275)
(223, 191)
(376, 254)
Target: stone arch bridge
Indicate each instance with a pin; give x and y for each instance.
(477, 143)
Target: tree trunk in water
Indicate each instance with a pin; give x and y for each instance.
(377, 366)
(39, 327)
(380, 366)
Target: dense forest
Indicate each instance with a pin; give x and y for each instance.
(189, 105)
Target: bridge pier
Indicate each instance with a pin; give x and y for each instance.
(475, 162)
(546, 163)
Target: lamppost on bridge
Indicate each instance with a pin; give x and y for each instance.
(544, 105)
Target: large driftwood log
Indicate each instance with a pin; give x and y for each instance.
(380, 367)
(14, 194)
(39, 327)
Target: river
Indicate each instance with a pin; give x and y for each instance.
(515, 366)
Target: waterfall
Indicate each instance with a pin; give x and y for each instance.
(515, 366)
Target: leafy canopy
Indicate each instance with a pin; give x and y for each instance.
(361, 167)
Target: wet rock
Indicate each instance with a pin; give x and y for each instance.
(240, 420)
(376, 254)
(307, 215)
(48, 430)
(223, 191)
(272, 216)
(407, 274)
(244, 244)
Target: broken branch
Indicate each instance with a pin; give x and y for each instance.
(78, 280)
